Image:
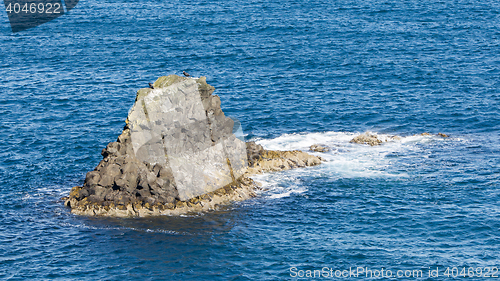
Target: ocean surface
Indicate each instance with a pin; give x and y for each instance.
(294, 73)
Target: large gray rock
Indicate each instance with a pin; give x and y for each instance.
(177, 145)
(367, 138)
(176, 155)
(181, 127)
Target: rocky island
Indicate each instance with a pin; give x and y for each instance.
(177, 154)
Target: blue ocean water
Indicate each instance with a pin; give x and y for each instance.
(294, 73)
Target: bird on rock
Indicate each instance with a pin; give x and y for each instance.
(186, 74)
(151, 86)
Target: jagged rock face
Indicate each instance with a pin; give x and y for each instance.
(254, 152)
(177, 145)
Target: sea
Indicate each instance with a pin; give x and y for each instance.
(293, 73)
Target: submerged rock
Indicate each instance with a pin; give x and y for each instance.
(319, 148)
(438, 134)
(373, 140)
(176, 154)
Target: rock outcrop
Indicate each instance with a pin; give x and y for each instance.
(366, 139)
(319, 148)
(373, 140)
(262, 161)
(176, 154)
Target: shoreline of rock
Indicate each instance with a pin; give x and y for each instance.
(242, 190)
(176, 154)
(263, 161)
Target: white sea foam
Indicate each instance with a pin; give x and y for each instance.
(279, 185)
(344, 160)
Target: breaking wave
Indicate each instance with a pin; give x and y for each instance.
(344, 160)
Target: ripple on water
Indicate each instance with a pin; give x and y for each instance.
(294, 74)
